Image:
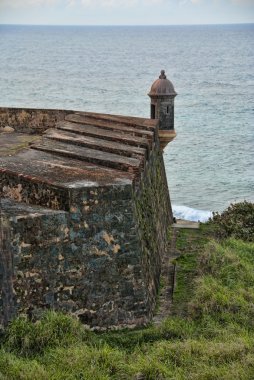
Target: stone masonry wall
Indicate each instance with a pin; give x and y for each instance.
(102, 260)
(7, 308)
(89, 265)
(154, 215)
(165, 109)
(22, 189)
(112, 291)
(30, 120)
(92, 250)
(29, 262)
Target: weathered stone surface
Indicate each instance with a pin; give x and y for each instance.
(112, 125)
(130, 121)
(105, 134)
(129, 164)
(96, 143)
(87, 219)
(30, 120)
(6, 129)
(7, 305)
(58, 172)
(11, 144)
(34, 235)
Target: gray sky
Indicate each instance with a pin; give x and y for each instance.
(126, 12)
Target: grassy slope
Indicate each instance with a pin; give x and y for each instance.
(209, 336)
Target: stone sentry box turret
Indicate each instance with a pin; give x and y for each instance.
(162, 96)
(87, 208)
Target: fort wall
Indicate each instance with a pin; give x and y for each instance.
(30, 120)
(88, 214)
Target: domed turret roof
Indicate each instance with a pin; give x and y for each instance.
(162, 86)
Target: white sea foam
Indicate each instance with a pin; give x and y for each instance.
(188, 213)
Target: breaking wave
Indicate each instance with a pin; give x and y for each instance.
(188, 213)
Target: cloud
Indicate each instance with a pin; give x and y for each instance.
(15, 4)
(236, 2)
(185, 2)
(243, 2)
(107, 3)
(84, 3)
(27, 3)
(114, 3)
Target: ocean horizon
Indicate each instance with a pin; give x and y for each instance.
(110, 69)
(128, 25)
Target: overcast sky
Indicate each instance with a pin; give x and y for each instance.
(126, 12)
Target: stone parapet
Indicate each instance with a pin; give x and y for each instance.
(30, 120)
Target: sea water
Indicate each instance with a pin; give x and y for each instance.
(110, 69)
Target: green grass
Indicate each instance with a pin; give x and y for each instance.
(189, 245)
(224, 289)
(209, 336)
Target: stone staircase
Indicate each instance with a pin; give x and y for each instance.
(82, 150)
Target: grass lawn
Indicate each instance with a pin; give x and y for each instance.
(210, 334)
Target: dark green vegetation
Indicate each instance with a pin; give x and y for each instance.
(236, 221)
(210, 334)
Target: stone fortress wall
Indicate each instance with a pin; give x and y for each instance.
(30, 120)
(85, 212)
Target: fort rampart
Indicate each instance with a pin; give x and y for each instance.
(86, 211)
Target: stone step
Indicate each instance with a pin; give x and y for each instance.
(11, 143)
(88, 120)
(136, 122)
(128, 164)
(96, 143)
(44, 179)
(105, 134)
(186, 224)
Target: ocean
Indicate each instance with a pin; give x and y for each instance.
(110, 69)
